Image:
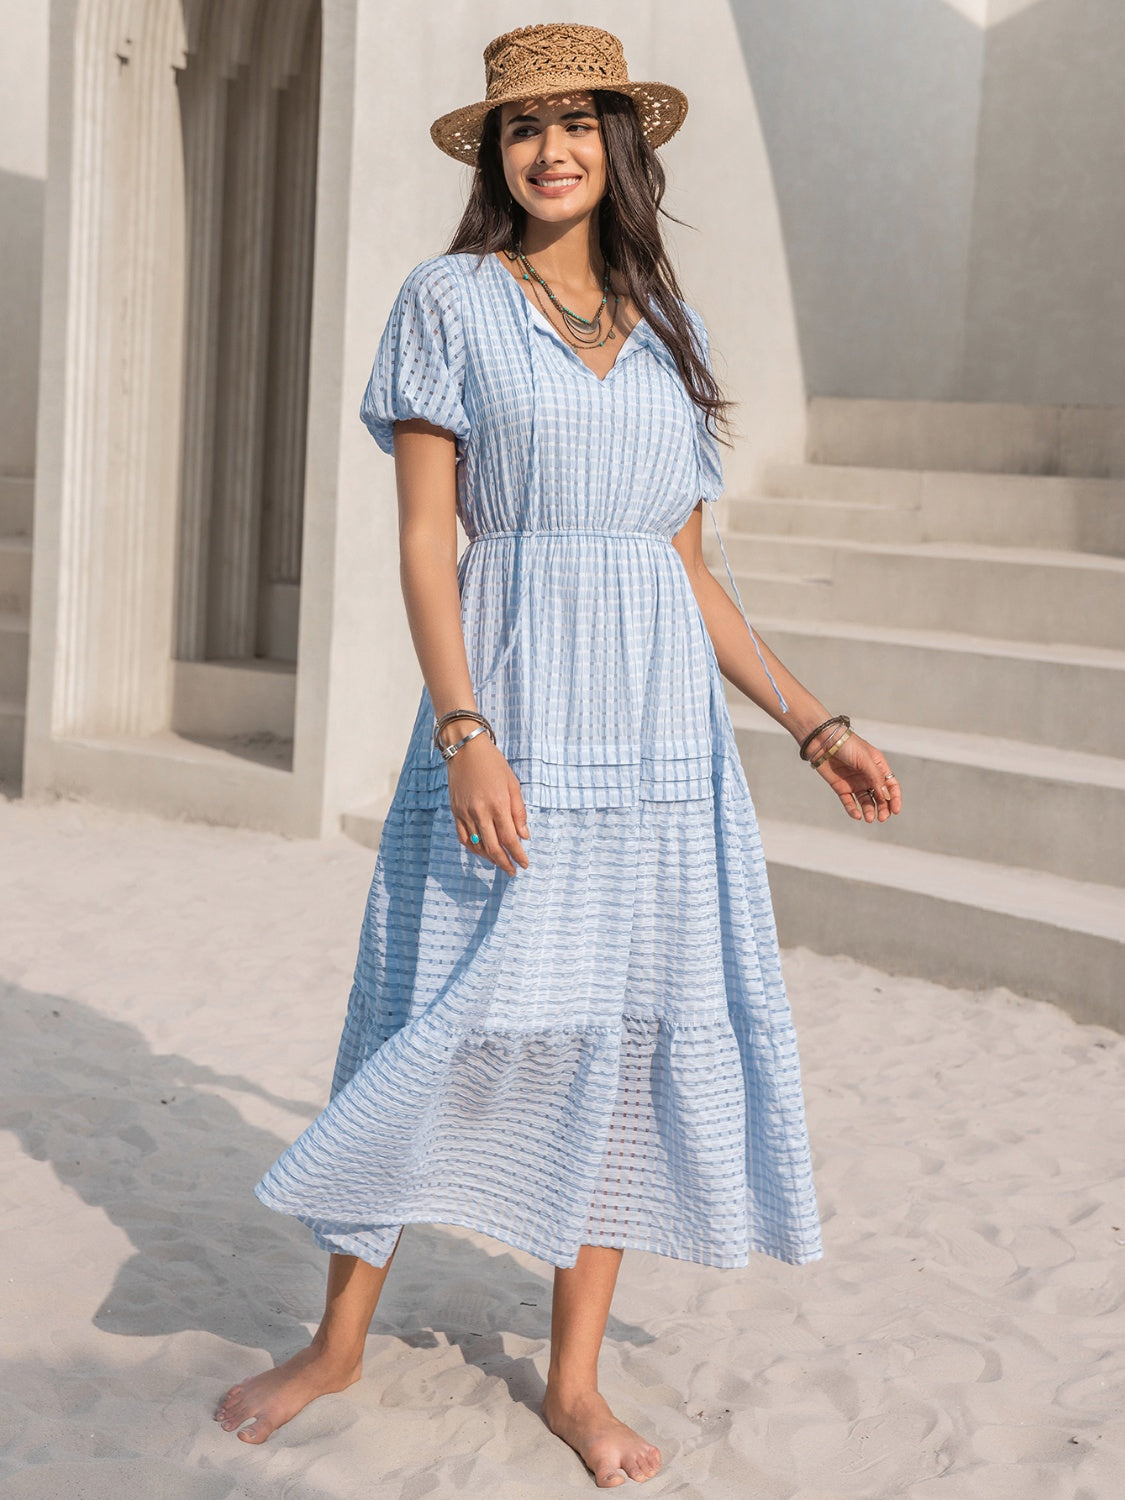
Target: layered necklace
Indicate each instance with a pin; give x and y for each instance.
(580, 332)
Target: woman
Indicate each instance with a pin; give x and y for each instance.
(583, 1044)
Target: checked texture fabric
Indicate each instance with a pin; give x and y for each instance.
(598, 1049)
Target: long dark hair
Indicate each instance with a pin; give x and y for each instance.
(628, 234)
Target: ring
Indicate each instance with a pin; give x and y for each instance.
(474, 838)
(890, 776)
(872, 794)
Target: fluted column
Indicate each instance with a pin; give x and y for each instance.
(250, 113)
(203, 93)
(294, 225)
(121, 431)
(243, 362)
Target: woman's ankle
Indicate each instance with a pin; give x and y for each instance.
(569, 1389)
(341, 1353)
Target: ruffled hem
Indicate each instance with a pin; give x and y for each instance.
(375, 1243)
(555, 1139)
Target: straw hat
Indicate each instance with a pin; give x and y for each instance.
(537, 60)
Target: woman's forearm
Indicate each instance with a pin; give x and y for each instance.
(428, 573)
(425, 475)
(738, 661)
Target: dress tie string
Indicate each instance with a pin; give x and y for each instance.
(530, 494)
(741, 610)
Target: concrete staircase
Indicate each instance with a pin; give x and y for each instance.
(16, 496)
(973, 625)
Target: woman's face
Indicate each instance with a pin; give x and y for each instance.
(554, 161)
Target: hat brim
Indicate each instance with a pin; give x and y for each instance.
(661, 109)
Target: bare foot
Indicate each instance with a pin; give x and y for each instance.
(275, 1396)
(609, 1449)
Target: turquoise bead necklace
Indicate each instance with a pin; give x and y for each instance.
(585, 331)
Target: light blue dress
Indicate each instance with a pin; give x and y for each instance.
(598, 1049)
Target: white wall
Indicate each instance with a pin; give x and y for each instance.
(950, 180)
(870, 114)
(23, 168)
(1045, 312)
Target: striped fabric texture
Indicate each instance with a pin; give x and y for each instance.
(598, 1049)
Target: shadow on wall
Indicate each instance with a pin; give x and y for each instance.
(951, 196)
(150, 1139)
(21, 256)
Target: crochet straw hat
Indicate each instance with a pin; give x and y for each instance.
(537, 60)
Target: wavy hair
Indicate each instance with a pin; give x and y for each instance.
(628, 234)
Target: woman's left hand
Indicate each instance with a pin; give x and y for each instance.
(861, 778)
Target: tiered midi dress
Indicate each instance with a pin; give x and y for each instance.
(598, 1049)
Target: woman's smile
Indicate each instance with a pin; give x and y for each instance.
(552, 185)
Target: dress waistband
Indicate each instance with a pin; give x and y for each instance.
(648, 531)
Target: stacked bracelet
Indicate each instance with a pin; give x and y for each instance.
(828, 723)
(484, 727)
(832, 748)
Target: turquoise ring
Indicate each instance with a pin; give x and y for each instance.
(474, 838)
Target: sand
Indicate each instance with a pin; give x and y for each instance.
(172, 996)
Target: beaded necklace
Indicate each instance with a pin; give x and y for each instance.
(580, 332)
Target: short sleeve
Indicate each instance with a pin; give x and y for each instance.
(420, 362)
(706, 443)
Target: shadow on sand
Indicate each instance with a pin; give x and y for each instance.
(154, 1141)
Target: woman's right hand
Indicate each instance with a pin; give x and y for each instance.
(485, 798)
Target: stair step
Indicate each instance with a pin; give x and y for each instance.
(993, 436)
(836, 484)
(14, 635)
(1050, 510)
(365, 824)
(17, 503)
(1035, 594)
(226, 699)
(11, 740)
(823, 519)
(988, 510)
(1070, 696)
(15, 574)
(974, 796)
(954, 920)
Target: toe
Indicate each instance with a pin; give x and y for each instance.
(611, 1478)
(257, 1432)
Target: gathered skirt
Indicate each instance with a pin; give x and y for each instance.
(596, 1050)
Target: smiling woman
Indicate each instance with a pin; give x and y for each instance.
(608, 176)
(586, 1046)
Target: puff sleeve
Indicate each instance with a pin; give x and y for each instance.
(708, 456)
(419, 368)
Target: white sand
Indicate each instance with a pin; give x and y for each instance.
(172, 999)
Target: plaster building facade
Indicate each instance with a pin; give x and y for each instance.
(902, 222)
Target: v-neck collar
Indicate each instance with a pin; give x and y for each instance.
(540, 321)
